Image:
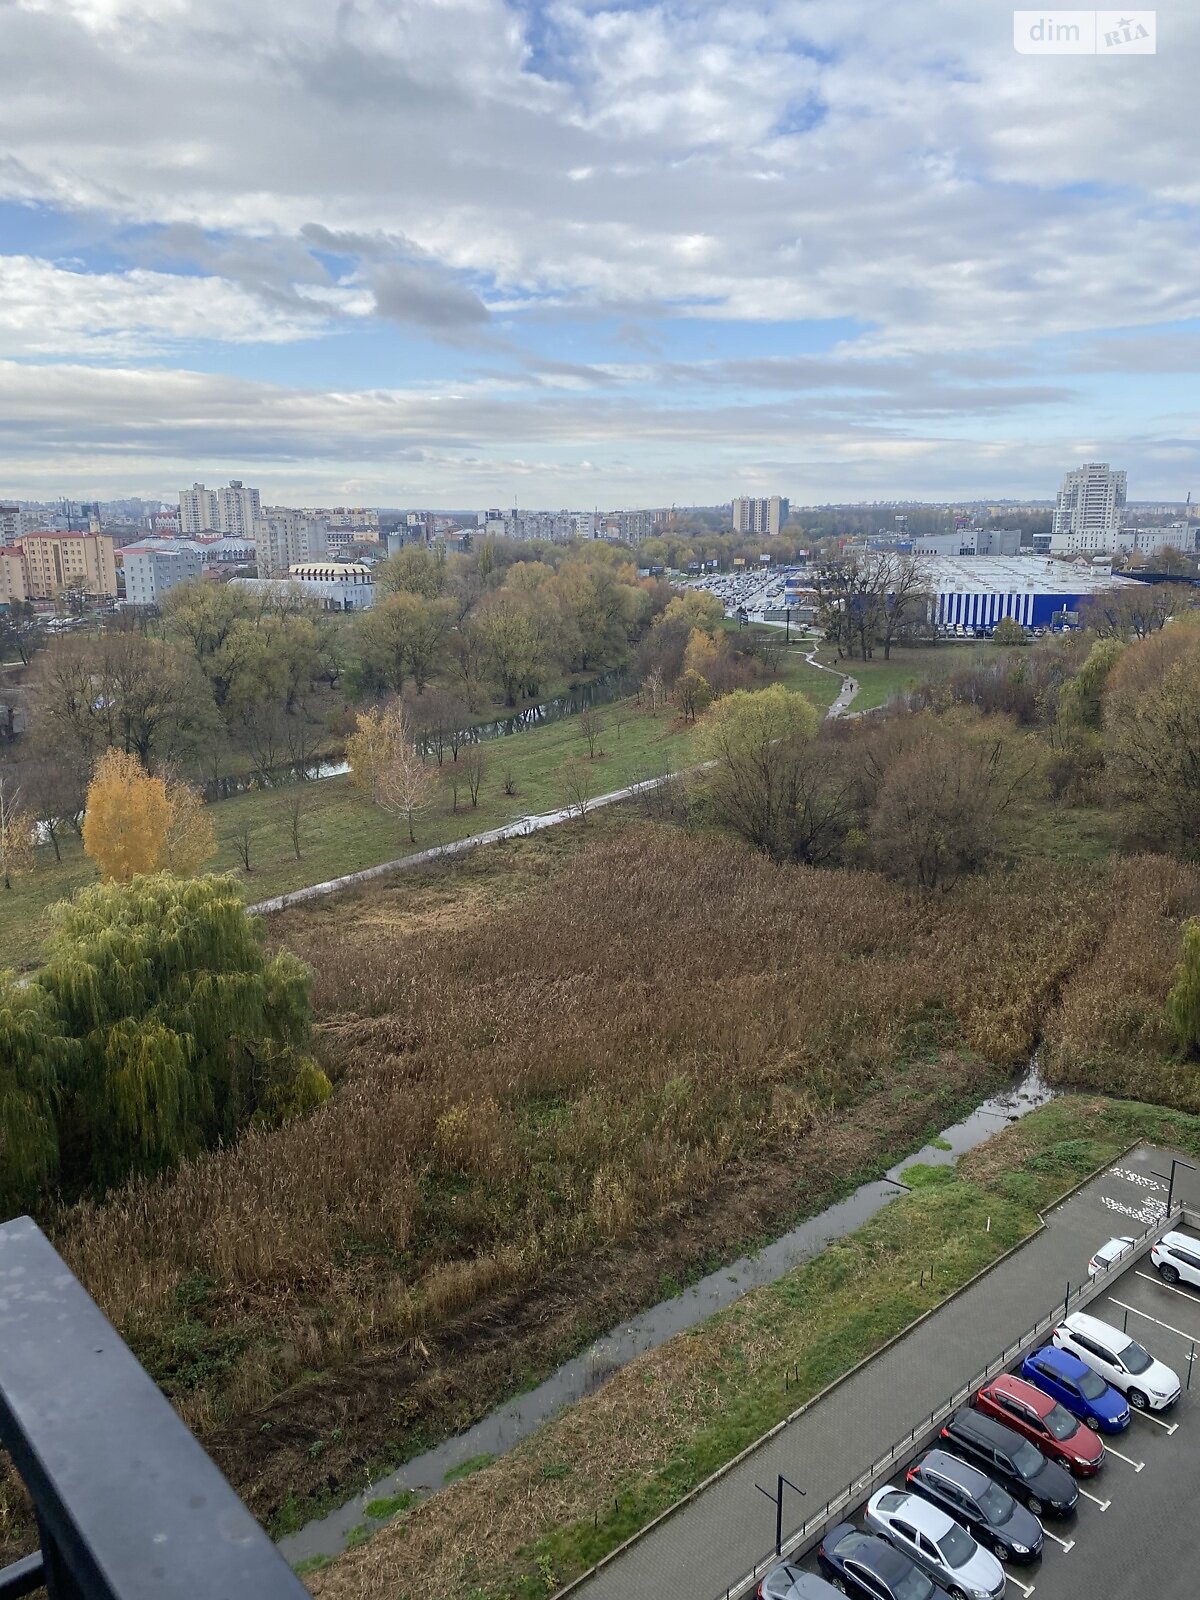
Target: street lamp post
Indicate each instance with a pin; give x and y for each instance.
(1176, 1161)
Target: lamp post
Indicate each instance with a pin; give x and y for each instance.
(777, 1497)
(1176, 1161)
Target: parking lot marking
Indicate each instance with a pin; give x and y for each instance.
(1095, 1499)
(1148, 1416)
(1153, 1277)
(1025, 1588)
(1066, 1545)
(1128, 1460)
(1149, 1318)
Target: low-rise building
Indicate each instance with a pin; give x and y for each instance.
(13, 589)
(334, 585)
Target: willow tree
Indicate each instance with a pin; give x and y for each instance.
(33, 1054)
(1183, 1002)
(185, 1029)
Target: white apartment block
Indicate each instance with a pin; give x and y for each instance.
(155, 567)
(1089, 510)
(1149, 541)
(361, 520)
(198, 511)
(237, 507)
(764, 516)
(284, 538)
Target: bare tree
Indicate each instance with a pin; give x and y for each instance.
(243, 840)
(578, 789)
(474, 764)
(510, 783)
(591, 726)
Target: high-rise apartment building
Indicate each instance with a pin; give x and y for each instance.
(765, 516)
(10, 522)
(198, 511)
(286, 538)
(237, 507)
(1089, 509)
(57, 561)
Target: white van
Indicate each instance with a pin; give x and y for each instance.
(1120, 1360)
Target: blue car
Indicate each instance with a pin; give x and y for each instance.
(1077, 1389)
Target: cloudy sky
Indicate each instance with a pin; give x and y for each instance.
(568, 252)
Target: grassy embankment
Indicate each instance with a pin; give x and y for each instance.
(592, 1477)
(341, 831)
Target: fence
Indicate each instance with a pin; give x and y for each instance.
(811, 1531)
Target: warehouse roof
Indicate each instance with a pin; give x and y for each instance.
(1015, 575)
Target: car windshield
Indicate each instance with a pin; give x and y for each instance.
(957, 1547)
(1135, 1358)
(1092, 1386)
(996, 1506)
(1061, 1423)
(913, 1586)
(1028, 1461)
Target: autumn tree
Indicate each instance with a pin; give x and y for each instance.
(1008, 632)
(16, 833)
(190, 839)
(692, 694)
(182, 1029)
(1152, 738)
(385, 760)
(755, 750)
(127, 818)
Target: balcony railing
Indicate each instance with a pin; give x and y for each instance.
(128, 1505)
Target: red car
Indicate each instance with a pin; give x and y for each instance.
(1057, 1434)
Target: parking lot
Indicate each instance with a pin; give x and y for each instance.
(1131, 1536)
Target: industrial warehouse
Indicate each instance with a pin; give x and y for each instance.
(976, 592)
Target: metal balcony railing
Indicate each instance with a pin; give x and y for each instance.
(128, 1505)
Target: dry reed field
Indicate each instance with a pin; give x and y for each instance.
(648, 1052)
(1109, 1030)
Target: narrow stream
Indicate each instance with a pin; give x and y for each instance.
(516, 1419)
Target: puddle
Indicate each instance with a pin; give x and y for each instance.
(516, 1419)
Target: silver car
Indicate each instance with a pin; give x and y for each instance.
(936, 1543)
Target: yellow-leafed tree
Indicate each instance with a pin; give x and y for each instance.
(190, 840)
(135, 823)
(16, 835)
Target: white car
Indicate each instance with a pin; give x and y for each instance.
(938, 1545)
(1120, 1360)
(1177, 1256)
(1108, 1253)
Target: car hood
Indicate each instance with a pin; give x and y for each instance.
(982, 1571)
(1158, 1377)
(1054, 1483)
(1021, 1528)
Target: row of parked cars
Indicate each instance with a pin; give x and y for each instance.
(1004, 1462)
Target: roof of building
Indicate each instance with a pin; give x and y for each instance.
(330, 570)
(1015, 574)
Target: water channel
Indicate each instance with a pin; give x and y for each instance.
(516, 1419)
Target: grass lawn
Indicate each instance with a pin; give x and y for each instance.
(879, 680)
(341, 831)
(592, 1477)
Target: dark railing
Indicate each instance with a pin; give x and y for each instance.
(128, 1505)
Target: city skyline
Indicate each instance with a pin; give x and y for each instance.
(491, 254)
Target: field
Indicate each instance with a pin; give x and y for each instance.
(592, 1477)
(567, 1068)
(342, 831)
(879, 680)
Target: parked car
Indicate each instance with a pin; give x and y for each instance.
(869, 1568)
(1042, 1485)
(1108, 1253)
(1045, 1423)
(1176, 1256)
(1084, 1393)
(988, 1512)
(932, 1539)
(1119, 1359)
(790, 1582)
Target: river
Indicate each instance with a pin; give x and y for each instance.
(513, 1421)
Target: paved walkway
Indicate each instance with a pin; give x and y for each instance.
(845, 694)
(715, 1539)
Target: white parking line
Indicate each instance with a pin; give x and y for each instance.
(1096, 1501)
(1153, 1277)
(1067, 1545)
(1148, 1416)
(1128, 1460)
(1170, 1329)
(1025, 1588)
